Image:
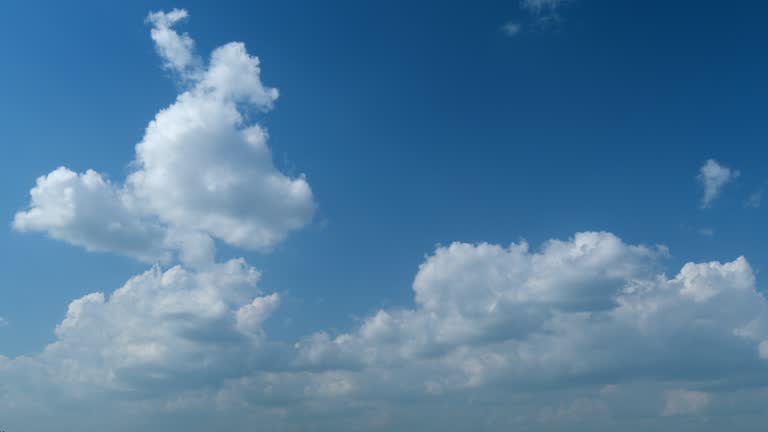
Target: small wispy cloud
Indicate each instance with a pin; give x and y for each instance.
(713, 177)
(511, 28)
(754, 200)
(540, 6)
(541, 13)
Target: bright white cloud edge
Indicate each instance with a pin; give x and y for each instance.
(201, 171)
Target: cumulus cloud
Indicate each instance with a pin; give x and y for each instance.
(592, 319)
(201, 170)
(176, 49)
(584, 310)
(713, 177)
(88, 210)
(163, 329)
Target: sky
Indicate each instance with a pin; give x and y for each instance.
(539, 215)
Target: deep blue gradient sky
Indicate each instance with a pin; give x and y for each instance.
(416, 123)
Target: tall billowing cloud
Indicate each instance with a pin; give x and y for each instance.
(201, 170)
(713, 177)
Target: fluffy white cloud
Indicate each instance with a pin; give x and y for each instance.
(171, 328)
(713, 177)
(176, 49)
(482, 294)
(591, 319)
(201, 169)
(87, 210)
(591, 309)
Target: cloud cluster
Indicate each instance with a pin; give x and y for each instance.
(587, 328)
(201, 171)
(592, 308)
(590, 321)
(539, 6)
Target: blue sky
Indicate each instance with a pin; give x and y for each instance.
(415, 125)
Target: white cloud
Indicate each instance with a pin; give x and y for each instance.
(583, 328)
(511, 28)
(543, 13)
(585, 310)
(538, 6)
(201, 169)
(482, 294)
(162, 331)
(685, 402)
(591, 319)
(713, 177)
(87, 210)
(176, 49)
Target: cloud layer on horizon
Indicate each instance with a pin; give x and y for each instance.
(573, 331)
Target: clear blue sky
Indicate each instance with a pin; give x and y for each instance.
(416, 124)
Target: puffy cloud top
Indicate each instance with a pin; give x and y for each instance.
(201, 170)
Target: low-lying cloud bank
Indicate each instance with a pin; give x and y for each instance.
(572, 331)
(584, 333)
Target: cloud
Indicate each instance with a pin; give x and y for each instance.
(713, 177)
(89, 211)
(566, 333)
(176, 49)
(755, 199)
(579, 331)
(685, 402)
(201, 170)
(511, 28)
(161, 333)
(590, 309)
(541, 14)
(539, 6)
